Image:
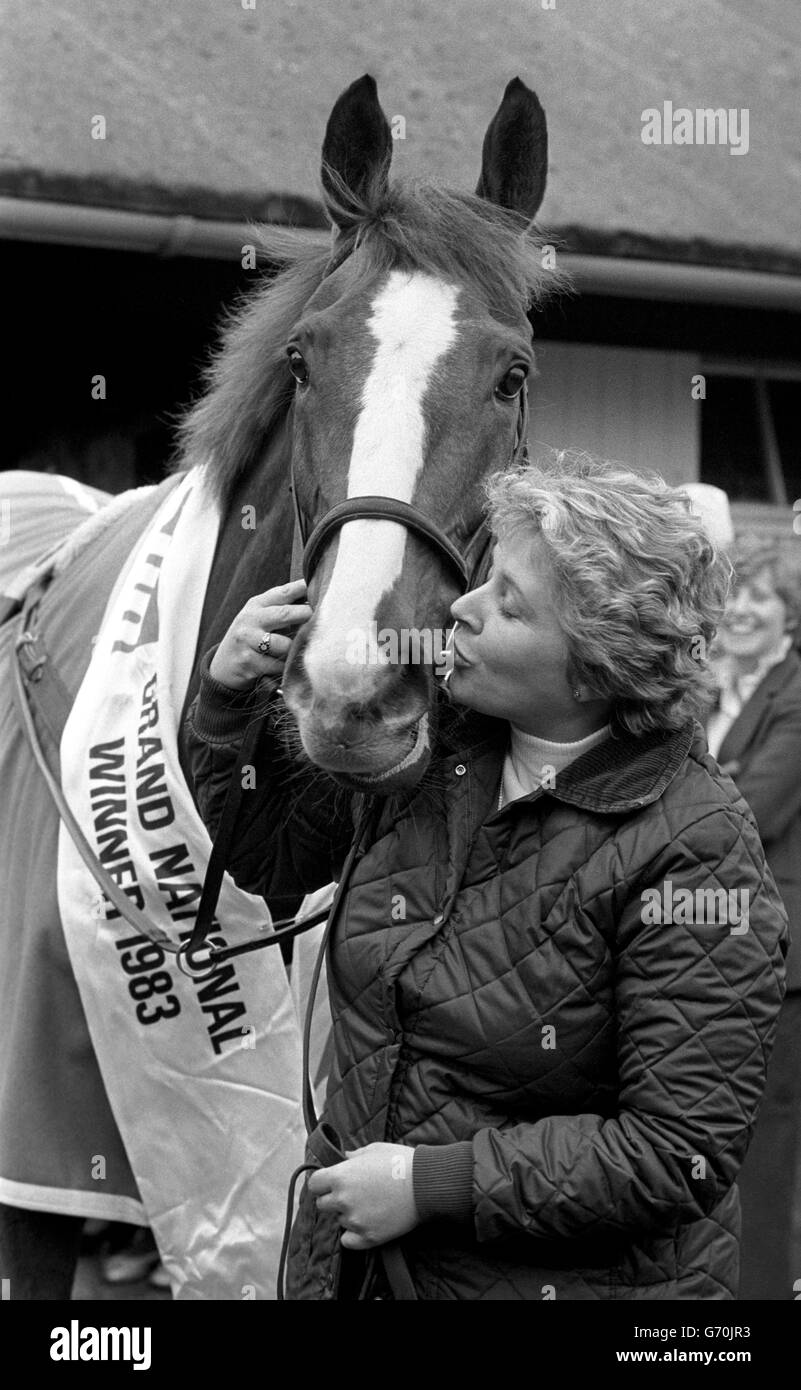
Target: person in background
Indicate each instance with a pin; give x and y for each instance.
(754, 732)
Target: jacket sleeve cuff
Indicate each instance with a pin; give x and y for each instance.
(442, 1176)
(220, 715)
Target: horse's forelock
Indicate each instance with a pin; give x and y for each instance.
(420, 225)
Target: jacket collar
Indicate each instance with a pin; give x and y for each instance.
(621, 774)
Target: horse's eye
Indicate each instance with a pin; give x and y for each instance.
(297, 366)
(512, 384)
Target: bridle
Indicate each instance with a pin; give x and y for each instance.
(469, 566)
(307, 546)
(308, 541)
(306, 550)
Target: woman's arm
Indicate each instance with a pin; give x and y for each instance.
(294, 824)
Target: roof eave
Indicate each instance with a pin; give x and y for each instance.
(600, 273)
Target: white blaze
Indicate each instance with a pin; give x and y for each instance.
(413, 323)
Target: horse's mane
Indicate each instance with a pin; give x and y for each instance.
(410, 226)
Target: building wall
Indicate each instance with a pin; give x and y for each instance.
(633, 405)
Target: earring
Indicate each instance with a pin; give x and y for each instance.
(577, 695)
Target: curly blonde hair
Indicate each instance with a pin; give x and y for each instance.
(637, 583)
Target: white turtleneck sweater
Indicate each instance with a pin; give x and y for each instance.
(532, 762)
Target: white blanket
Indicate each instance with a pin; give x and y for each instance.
(204, 1074)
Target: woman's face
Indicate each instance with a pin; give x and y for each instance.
(755, 619)
(510, 655)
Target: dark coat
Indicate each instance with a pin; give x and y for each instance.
(496, 990)
(762, 753)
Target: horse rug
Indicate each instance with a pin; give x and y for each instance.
(192, 1124)
(37, 510)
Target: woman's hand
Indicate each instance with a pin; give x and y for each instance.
(371, 1193)
(238, 661)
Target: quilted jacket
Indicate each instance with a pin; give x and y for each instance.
(580, 1081)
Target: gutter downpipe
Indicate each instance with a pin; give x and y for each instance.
(114, 229)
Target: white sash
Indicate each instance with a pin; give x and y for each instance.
(203, 1075)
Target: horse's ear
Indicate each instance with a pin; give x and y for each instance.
(514, 160)
(357, 150)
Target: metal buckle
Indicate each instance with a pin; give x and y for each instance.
(184, 964)
(32, 658)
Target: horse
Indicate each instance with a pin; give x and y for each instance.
(356, 405)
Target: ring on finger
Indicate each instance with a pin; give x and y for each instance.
(264, 645)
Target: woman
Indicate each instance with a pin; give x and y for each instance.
(546, 1065)
(754, 732)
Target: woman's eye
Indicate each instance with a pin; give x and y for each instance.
(512, 384)
(297, 365)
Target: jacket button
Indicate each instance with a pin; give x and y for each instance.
(460, 769)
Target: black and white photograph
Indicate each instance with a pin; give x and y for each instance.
(400, 639)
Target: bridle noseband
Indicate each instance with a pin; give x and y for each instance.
(468, 566)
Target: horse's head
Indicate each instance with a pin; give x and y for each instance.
(410, 361)
(398, 364)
